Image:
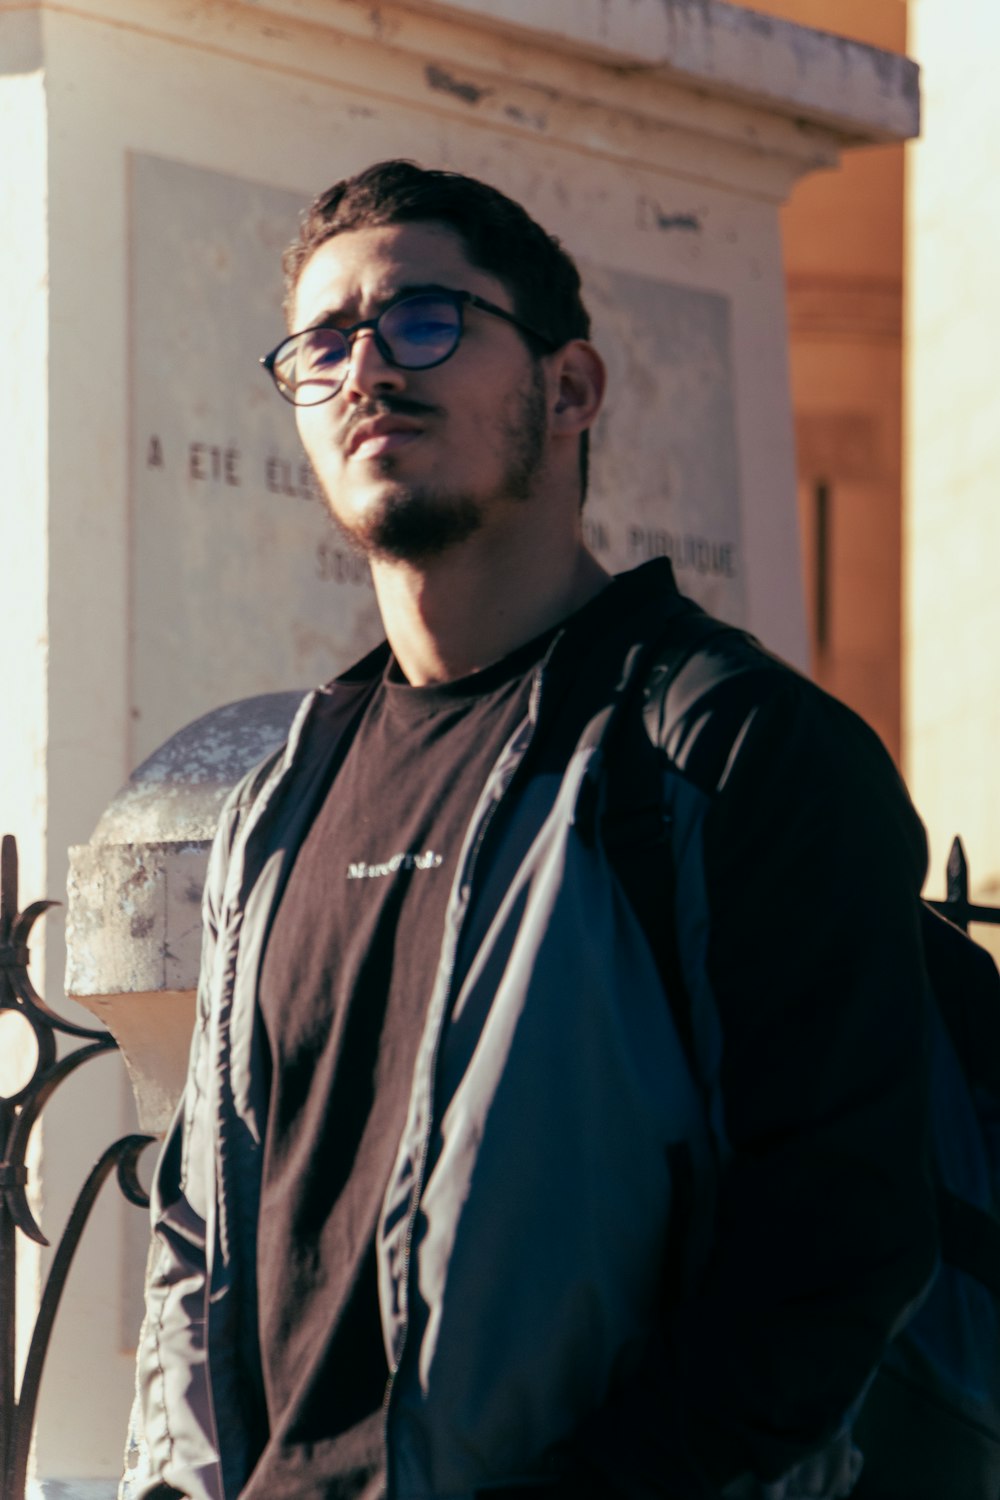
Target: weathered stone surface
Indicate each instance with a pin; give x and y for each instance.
(134, 910)
(725, 50)
(176, 794)
(133, 922)
(154, 1033)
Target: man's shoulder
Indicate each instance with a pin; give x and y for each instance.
(690, 653)
(712, 686)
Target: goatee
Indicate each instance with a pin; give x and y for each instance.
(414, 522)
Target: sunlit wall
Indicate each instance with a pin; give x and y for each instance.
(842, 233)
(952, 523)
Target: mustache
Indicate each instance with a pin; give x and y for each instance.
(389, 405)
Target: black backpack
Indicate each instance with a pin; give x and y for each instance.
(930, 1424)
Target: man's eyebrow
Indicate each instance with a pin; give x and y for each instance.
(347, 315)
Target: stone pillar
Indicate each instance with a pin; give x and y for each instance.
(133, 930)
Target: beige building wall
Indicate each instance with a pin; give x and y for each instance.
(901, 444)
(843, 248)
(952, 536)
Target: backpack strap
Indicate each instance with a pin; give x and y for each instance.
(649, 670)
(632, 812)
(684, 636)
(966, 987)
(657, 659)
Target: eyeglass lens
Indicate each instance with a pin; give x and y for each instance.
(413, 334)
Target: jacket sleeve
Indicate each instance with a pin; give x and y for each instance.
(798, 872)
(173, 1450)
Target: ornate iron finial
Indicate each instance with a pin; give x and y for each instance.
(956, 906)
(957, 874)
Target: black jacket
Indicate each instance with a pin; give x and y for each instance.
(774, 864)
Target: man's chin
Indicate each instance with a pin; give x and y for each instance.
(406, 525)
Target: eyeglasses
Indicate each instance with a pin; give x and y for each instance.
(416, 332)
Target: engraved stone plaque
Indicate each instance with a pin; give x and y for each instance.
(240, 583)
(665, 478)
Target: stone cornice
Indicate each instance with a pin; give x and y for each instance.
(862, 92)
(626, 79)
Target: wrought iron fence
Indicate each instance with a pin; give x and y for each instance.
(20, 1111)
(956, 905)
(18, 1114)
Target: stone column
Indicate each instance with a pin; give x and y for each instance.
(133, 928)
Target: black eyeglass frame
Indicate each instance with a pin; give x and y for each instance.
(460, 299)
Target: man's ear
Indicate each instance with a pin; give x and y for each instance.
(578, 381)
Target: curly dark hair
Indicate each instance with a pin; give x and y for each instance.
(497, 234)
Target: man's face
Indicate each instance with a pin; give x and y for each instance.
(413, 461)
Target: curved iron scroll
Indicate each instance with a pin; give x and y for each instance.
(18, 1114)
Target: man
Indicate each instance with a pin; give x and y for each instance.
(555, 1117)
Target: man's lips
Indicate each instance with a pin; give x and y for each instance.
(382, 435)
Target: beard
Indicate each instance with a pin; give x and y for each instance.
(415, 522)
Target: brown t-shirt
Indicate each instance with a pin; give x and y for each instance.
(345, 983)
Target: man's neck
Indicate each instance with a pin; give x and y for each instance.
(455, 614)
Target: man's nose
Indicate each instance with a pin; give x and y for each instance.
(368, 370)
